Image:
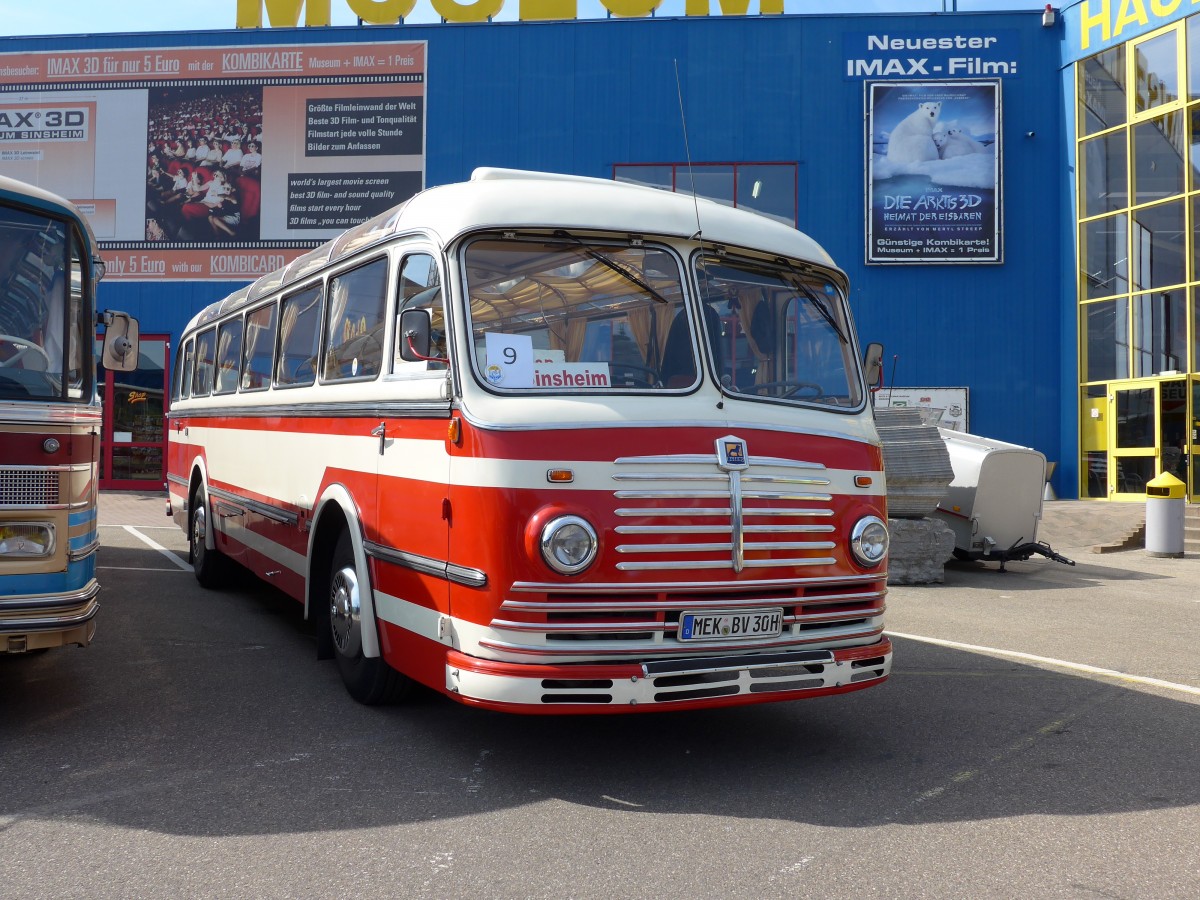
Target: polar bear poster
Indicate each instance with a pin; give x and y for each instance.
(960, 143)
(911, 141)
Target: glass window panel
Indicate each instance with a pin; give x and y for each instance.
(421, 288)
(1106, 336)
(299, 331)
(1157, 71)
(1194, 149)
(1195, 292)
(259, 350)
(1104, 186)
(1159, 333)
(354, 334)
(1193, 57)
(1158, 158)
(1135, 418)
(1105, 256)
(713, 182)
(770, 190)
(1133, 472)
(651, 176)
(183, 365)
(1159, 246)
(206, 346)
(1102, 91)
(137, 464)
(229, 354)
(1095, 465)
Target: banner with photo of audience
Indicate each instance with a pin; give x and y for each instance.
(933, 172)
(217, 162)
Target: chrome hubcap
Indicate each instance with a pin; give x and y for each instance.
(199, 531)
(345, 612)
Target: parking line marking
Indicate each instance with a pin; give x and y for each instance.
(1058, 663)
(134, 569)
(157, 546)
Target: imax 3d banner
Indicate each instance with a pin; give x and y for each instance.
(933, 172)
(217, 162)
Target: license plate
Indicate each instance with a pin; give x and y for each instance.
(730, 625)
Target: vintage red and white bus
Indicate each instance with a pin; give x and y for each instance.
(50, 418)
(548, 444)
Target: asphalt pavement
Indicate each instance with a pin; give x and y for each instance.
(1038, 738)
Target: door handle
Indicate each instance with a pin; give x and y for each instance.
(380, 431)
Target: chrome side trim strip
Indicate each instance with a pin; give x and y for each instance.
(84, 552)
(177, 479)
(652, 587)
(266, 510)
(652, 606)
(427, 565)
(585, 649)
(356, 410)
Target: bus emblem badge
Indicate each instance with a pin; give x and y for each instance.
(731, 453)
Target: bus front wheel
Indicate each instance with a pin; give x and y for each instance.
(210, 566)
(369, 680)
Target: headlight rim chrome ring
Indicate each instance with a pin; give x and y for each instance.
(551, 528)
(856, 535)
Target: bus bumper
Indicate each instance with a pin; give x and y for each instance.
(665, 684)
(41, 621)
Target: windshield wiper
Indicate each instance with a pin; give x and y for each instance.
(797, 282)
(614, 265)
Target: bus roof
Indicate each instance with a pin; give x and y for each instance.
(514, 199)
(26, 194)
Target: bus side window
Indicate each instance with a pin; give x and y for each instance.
(229, 351)
(420, 288)
(206, 345)
(299, 334)
(259, 349)
(183, 387)
(354, 328)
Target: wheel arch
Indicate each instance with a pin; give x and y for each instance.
(335, 512)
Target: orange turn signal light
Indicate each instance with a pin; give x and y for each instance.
(560, 476)
(863, 481)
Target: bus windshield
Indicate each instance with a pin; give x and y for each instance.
(778, 333)
(41, 321)
(567, 315)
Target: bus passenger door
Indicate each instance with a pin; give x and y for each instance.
(413, 473)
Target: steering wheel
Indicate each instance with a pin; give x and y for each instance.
(788, 389)
(40, 359)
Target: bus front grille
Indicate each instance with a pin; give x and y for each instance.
(688, 512)
(28, 487)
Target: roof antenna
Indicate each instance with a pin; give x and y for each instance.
(687, 149)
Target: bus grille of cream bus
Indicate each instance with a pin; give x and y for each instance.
(28, 487)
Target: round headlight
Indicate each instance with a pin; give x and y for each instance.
(569, 544)
(869, 540)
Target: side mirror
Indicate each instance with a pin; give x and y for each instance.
(873, 366)
(413, 335)
(120, 342)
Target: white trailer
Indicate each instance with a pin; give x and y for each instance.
(994, 503)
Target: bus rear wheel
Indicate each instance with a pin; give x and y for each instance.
(211, 566)
(370, 680)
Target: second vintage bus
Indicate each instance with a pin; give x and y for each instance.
(548, 444)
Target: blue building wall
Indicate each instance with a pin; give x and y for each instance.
(579, 97)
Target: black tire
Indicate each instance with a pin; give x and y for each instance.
(370, 681)
(211, 566)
